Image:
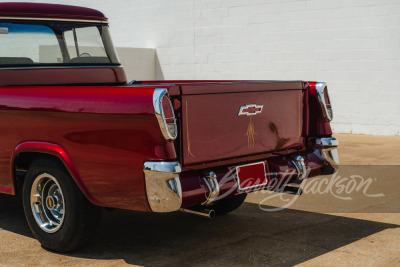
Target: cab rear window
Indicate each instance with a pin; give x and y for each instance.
(28, 44)
(36, 44)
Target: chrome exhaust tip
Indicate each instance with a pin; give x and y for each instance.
(201, 212)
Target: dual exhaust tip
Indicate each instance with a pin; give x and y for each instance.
(211, 182)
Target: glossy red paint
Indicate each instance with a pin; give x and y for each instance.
(107, 133)
(47, 11)
(200, 88)
(213, 132)
(244, 159)
(182, 82)
(56, 150)
(62, 76)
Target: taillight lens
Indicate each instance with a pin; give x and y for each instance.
(165, 114)
(320, 90)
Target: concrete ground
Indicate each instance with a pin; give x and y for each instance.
(353, 222)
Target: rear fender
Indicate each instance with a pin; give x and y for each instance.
(59, 152)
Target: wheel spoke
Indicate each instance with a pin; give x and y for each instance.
(35, 198)
(36, 206)
(53, 223)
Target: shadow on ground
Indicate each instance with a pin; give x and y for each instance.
(245, 237)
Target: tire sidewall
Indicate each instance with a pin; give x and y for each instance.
(61, 238)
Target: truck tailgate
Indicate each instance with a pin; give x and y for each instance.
(212, 128)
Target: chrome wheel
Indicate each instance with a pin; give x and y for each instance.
(47, 202)
(59, 215)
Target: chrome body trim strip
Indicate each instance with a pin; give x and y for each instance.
(328, 113)
(56, 19)
(158, 95)
(163, 187)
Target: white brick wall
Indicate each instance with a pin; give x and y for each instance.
(354, 45)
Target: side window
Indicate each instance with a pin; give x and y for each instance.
(22, 44)
(84, 42)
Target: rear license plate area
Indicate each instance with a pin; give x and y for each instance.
(251, 176)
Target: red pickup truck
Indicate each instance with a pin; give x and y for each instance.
(76, 137)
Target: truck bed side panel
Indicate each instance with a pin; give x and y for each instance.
(107, 131)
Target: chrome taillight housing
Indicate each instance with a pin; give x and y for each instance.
(165, 114)
(323, 98)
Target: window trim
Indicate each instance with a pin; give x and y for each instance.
(56, 19)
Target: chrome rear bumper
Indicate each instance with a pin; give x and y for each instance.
(163, 187)
(326, 149)
(165, 181)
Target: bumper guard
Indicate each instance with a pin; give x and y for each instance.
(163, 187)
(326, 149)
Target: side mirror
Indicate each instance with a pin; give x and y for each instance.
(3, 30)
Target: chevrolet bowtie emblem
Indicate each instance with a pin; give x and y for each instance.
(250, 110)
